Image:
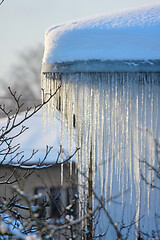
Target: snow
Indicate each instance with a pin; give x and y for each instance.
(32, 237)
(8, 227)
(36, 138)
(132, 34)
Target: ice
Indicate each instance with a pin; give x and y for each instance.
(108, 68)
(116, 118)
(129, 38)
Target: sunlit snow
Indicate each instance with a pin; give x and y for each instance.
(109, 106)
(129, 35)
(37, 137)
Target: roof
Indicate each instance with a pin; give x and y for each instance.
(127, 40)
(37, 137)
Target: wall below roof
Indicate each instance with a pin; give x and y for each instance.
(46, 178)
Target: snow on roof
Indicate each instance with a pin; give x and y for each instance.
(35, 138)
(128, 35)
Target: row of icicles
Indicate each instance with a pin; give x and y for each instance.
(108, 115)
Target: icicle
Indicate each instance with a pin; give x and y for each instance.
(112, 112)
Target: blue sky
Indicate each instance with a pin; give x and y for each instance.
(23, 22)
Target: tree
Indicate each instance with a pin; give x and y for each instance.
(24, 78)
(7, 141)
(12, 224)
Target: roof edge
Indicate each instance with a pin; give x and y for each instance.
(103, 66)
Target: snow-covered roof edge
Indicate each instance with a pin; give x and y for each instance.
(36, 166)
(103, 66)
(121, 41)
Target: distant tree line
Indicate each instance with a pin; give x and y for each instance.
(24, 78)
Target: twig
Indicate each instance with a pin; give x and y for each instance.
(67, 159)
(26, 117)
(1, 2)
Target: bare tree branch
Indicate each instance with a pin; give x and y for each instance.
(1, 2)
(13, 122)
(68, 158)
